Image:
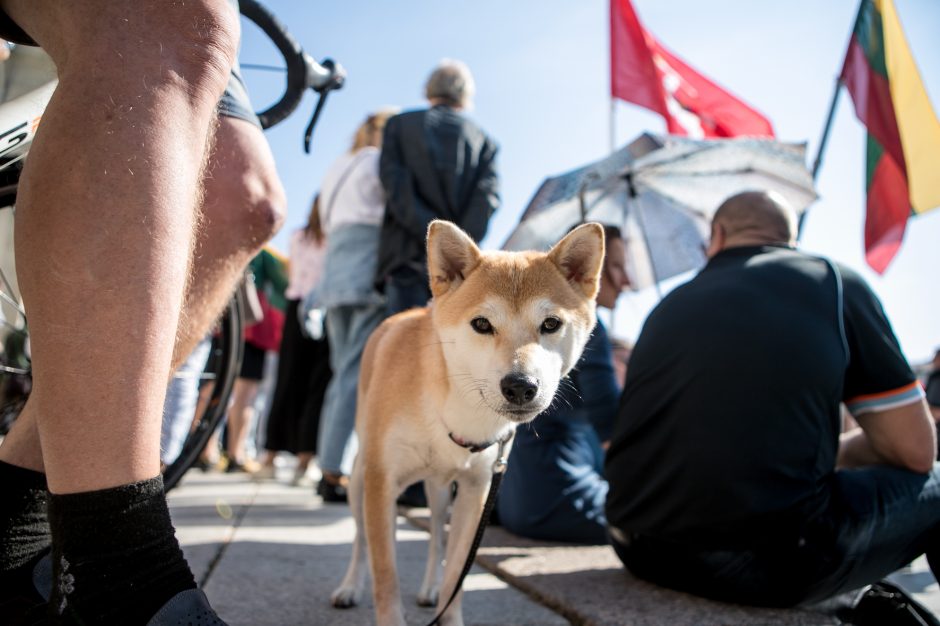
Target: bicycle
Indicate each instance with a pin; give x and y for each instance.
(27, 81)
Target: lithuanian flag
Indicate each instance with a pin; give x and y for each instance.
(903, 131)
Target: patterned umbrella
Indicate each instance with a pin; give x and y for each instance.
(662, 191)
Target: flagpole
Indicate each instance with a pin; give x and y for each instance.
(817, 163)
(835, 99)
(825, 134)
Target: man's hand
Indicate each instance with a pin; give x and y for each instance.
(904, 437)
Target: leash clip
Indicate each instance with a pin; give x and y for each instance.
(499, 465)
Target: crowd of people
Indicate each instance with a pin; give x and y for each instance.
(719, 466)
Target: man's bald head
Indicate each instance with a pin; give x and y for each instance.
(752, 218)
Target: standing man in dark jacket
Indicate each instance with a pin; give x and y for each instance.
(436, 164)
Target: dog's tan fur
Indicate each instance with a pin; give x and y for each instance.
(427, 374)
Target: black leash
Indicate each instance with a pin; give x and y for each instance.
(499, 468)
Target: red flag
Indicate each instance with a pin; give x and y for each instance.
(642, 71)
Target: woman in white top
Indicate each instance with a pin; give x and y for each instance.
(351, 208)
(303, 370)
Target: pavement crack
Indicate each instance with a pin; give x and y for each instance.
(237, 520)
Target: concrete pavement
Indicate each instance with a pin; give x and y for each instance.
(270, 554)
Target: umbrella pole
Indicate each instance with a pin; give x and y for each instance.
(631, 196)
(613, 125)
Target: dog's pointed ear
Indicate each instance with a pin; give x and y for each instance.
(452, 255)
(580, 256)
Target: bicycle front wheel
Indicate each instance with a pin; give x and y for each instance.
(221, 376)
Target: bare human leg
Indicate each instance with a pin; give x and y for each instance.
(239, 419)
(103, 246)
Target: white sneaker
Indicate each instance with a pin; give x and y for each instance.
(301, 479)
(267, 472)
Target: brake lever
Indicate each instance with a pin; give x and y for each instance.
(336, 81)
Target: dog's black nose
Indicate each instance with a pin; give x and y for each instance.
(519, 388)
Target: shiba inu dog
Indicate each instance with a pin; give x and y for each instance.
(439, 386)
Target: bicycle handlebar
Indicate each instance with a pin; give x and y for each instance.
(303, 72)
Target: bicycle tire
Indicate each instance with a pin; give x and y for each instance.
(293, 56)
(232, 346)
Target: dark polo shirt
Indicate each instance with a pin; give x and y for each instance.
(730, 417)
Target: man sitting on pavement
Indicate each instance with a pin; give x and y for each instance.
(728, 477)
(554, 487)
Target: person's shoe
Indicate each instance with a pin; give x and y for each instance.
(301, 479)
(248, 467)
(187, 607)
(885, 603)
(266, 472)
(331, 491)
(24, 598)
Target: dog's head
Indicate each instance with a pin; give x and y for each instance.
(512, 324)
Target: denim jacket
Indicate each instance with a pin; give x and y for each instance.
(351, 256)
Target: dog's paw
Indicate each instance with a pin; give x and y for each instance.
(345, 597)
(428, 596)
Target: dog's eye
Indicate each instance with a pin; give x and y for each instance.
(482, 325)
(550, 325)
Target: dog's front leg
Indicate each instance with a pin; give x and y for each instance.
(379, 516)
(349, 592)
(464, 518)
(438, 499)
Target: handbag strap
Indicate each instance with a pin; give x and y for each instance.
(328, 208)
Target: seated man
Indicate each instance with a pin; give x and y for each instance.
(554, 486)
(728, 478)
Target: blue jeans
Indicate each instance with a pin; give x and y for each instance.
(406, 289)
(348, 327)
(877, 520)
(554, 488)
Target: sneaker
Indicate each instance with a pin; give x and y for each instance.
(301, 479)
(24, 593)
(267, 472)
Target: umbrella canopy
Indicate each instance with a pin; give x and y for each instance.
(662, 192)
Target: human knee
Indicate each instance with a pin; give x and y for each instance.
(259, 208)
(188, 46)
(269, 211)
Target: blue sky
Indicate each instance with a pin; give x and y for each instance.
(541, 69)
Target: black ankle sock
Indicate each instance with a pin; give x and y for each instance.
(116, 559)
(24, 526)
(24, 539)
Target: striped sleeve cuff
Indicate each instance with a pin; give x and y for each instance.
(885, 400)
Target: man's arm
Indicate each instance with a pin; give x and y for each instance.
(903, 436)
(402, 201)
(485, 198)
